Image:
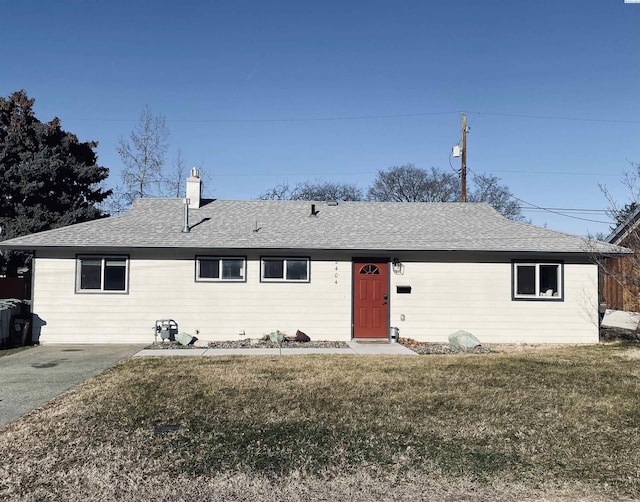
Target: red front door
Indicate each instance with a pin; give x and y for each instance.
(370, 299)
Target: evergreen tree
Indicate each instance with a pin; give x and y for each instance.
(48, 178)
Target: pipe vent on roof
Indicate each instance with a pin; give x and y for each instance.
(314, 211)
(186, 228)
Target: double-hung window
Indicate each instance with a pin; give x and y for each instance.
(284, 270)
(96, 274)
(220, 268)
(540, 281)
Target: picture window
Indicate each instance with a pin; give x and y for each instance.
(540, 281)
(96, 274)
(285, 269)
(220, 269)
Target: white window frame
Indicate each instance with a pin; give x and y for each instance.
(103, 267)
(284, 268)
(538, 294)
(220, 260)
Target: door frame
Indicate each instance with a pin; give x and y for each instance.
(369, 259)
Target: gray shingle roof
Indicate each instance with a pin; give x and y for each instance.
(232, 224)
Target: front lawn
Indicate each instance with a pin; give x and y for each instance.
(555, 424)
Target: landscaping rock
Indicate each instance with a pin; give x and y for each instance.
(202, 344)
(440, 348)
(184, 338)
(254, 343)
(301, 337)
(276, 337)
(463, 339)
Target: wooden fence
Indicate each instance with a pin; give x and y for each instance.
(612, 293)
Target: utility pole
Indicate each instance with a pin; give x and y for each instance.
(463, 169)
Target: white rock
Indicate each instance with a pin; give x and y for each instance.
(463, 339)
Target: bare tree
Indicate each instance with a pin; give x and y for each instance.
(175, 180)
(621, 274)
(487, 188)
(117, 203)
(279, 192)
(318, 190)
(143, 156)
(619, 212)
(408, 183)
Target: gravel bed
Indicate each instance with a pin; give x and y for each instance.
(255, 343)
(441, 348)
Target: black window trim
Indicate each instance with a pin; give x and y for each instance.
(219, 258)
(102, 291)
(284, 280)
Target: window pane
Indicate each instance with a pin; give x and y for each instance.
(369, 270)
(232, 269)
(273, 269)
(525, 280)
(90, 273)
(549, 284)
(296, 269)
(115, 273)
(209, 269)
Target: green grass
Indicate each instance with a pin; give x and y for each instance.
(8, 352)
(559, 424)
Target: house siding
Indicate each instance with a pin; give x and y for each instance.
(446, 295)
(476, 297)
(163, 288)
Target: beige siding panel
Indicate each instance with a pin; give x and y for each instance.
(476, 297)
(163, 289)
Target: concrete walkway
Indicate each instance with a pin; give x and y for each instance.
(30, 378)
(354, 348)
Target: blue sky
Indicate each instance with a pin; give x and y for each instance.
(257, 93)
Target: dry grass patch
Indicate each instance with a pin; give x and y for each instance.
(559, 424)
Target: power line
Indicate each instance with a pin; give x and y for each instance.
(284, 119)
(366, 117)
(559, 173)
(557, 117)
(550, 210)
(569, 209)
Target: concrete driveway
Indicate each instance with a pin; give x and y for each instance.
(30, 378)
